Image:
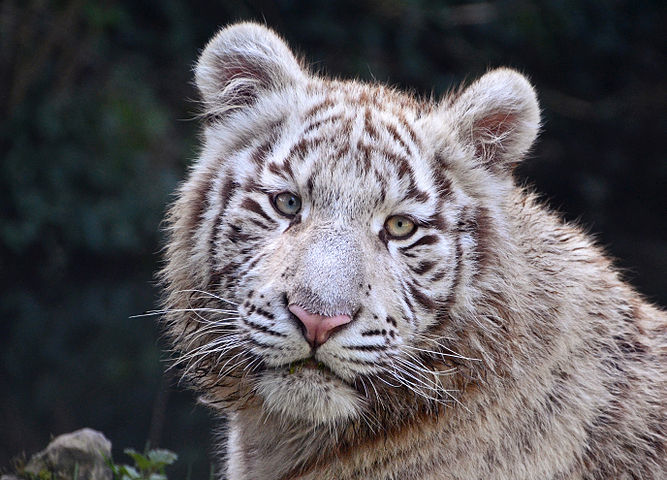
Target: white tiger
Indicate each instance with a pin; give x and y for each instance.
(355, 281)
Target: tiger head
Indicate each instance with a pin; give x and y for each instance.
(332, 245)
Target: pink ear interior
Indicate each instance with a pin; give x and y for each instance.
(498, 118)
(239, 66)
(494, 126)
(241, 63)
(497, 123)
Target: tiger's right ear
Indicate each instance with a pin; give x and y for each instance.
(497, 118)
(240, 63)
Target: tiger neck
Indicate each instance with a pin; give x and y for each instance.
(266, 447)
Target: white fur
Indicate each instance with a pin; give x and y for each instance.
(495, 342)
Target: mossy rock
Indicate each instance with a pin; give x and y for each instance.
(80, 455)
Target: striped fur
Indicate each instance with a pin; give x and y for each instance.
(496, 342)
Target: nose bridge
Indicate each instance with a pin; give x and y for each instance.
(328, 271)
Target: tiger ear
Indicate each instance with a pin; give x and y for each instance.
(240, 63)
(498, 117)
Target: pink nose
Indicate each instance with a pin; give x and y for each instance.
(318, 327)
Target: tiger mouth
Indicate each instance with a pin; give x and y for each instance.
(311, 365)
(308, 363)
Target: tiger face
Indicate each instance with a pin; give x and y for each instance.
(330, 232)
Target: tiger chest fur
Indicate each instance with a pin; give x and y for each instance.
(356, 283)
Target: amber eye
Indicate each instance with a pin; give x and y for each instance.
(399, 226)
(287, 203)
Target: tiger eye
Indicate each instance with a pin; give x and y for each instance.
(287, 203)
(399, 226)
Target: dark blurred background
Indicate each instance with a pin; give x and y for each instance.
(97, 129)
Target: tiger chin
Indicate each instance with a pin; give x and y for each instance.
(355, 282)
(307, 393)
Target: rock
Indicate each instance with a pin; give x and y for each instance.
(9, 477)
(85, 451)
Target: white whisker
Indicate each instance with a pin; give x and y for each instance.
(442, 354)
(209, 294)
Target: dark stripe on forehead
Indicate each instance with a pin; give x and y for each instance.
(365, 151)
(438, 276)
(368, 125)
(443, 184)
(299, 149)
(270, 133)
(416, 194)
(258, 156)
(330, 119)
(276, 169)
(402, 165)
(342, 149)
(393, 131)
(404, 169)
(314, 110)
(383, 184)
(365, 97)
(251, 185)
(287, 166)
(408, 128)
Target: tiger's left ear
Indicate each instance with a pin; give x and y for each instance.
(497, 117)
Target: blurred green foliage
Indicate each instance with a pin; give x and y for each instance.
(97, 130)
(149, 465)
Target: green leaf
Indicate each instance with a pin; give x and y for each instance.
(140, 461)
(162, 456)
(130, 473)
